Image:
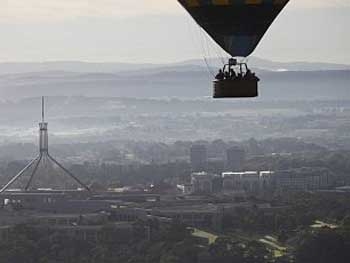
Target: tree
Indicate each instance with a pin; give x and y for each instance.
(228, 250)
(324, 246)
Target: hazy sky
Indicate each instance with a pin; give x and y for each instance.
(157, 31)
(17, 10)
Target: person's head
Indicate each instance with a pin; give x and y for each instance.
(220, 70)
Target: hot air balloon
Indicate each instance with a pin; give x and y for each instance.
(237, 26)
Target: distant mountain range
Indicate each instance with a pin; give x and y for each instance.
(286, 81)
(263, 64)
(196, 64)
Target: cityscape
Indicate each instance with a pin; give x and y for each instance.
(256, 192)
(174, 131)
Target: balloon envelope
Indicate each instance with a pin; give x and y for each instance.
(236, 25)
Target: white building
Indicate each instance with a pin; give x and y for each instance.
(248, 181)
(304, 179)
(202, 182)
(185, 188)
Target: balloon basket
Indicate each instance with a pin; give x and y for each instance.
(235, 88)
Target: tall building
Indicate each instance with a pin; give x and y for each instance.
(235, 159)
(199, 158)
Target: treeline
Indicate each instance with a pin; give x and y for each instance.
(173, 244)
(292, 212)
(128, 152)
(157, 162)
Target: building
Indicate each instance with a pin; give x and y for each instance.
(94, 233)
(125, 214)
(55, 202)
(185, 188)
(304, 179)
(202, 182)
(249, 181)
(267, 180)
(241, 181)
(53, 220)
(200, 216)
(123, 232)
(117, 223)
(235, 159)
(199, 158)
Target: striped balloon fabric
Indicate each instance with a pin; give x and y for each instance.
(236, 25)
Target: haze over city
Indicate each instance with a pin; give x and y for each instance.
(174, 131)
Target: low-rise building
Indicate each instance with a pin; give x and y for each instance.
(206, 215)
(202, 182)
(94, 233)
(304, 179)
(249, 181)
(185, 188)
